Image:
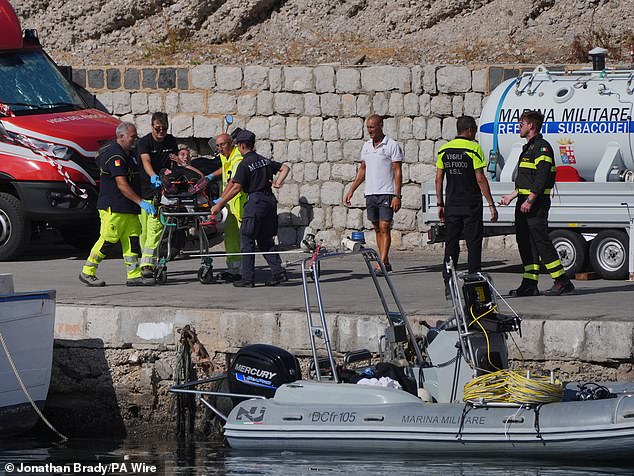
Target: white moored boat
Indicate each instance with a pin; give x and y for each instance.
(458, 395)
(26, 354)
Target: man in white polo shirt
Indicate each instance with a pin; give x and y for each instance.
(381, 159)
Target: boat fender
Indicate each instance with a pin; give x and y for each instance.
(424, 395)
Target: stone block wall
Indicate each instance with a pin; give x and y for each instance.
(313, 119)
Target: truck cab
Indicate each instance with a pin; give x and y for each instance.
(49, 138)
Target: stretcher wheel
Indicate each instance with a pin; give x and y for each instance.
(161, 275)
(206, 275)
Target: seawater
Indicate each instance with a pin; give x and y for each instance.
(199, 457)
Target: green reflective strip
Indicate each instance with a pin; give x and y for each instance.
(552, 265)
(543, 158)
(556, 274)
(531, 267)
(528, 165)
(532, 277)
(526, 191)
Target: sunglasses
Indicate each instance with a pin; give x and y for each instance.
(160, 129)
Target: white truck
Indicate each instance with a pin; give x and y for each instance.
(588, 121)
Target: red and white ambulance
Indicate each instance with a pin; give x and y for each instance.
(48, 141)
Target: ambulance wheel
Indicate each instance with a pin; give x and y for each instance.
(205, 275)
(15, 228)
(572, 249)
(609, 254)
(161, 275)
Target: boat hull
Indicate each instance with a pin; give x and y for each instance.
(27, 326)
(313, 416)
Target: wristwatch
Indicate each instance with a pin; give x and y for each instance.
(399, 196)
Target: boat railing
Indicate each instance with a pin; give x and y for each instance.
(318, 327)
(190, 388)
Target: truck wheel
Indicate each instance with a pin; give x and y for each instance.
(609, 254)
(572, 249)
(80, 236)
(15, 229)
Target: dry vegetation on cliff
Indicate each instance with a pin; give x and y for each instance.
(327, 31)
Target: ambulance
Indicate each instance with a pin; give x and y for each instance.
(49, 138)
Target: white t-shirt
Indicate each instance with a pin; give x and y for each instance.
(379, 176)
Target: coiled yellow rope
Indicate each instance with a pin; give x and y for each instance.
(508, 386)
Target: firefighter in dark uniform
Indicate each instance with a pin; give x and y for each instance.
(461, 160)
(533, 184)
(254, 176)
(119, 205)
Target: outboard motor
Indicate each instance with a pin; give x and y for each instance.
(259, 369)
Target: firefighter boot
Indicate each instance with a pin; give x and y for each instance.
(527, 288)
(561, 287)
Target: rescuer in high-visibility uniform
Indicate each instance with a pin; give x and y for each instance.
(461, 161)
(154, 150)
(119, 204)
(230, 157)
(534, 182)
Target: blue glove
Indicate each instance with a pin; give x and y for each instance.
(148, 207)
(155, 180)
(216, 200)
(210, 177)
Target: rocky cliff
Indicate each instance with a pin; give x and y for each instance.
(323, 31)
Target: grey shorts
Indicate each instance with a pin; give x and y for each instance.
(379, 207)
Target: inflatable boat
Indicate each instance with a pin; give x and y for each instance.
(449, 392)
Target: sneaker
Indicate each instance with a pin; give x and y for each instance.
(147, 272)
(525, 290)
(560, 288)
(244, 284)
(277, 279)
(92, 281)
(140, 282)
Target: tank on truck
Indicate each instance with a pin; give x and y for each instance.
(588, 121)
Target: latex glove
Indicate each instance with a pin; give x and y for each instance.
(200, 186)
(148, 207)
(155, 180)
(217, 200)
(210, 177)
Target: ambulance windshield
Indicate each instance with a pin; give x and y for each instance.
(30, 83)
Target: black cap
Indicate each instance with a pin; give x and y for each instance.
(235, 132)
(245, 136)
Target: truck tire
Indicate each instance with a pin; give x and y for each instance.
(15, 228)
(609, 254)
(572, 249)
(80, 236)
